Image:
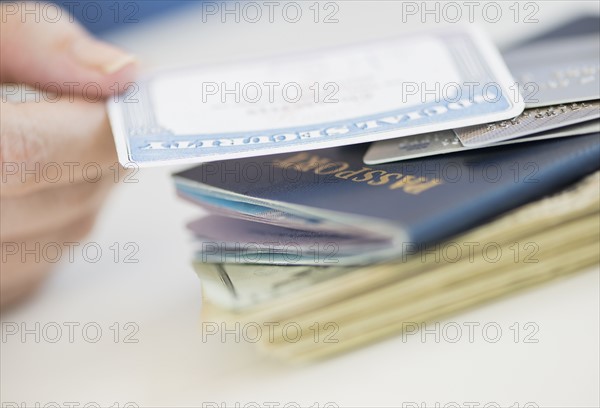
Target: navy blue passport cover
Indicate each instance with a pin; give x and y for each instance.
(429, 199)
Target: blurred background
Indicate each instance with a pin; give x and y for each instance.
(142, 295)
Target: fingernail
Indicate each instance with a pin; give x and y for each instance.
(101, 56)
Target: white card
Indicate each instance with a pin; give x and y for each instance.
(351, 94)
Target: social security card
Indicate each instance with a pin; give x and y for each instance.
(374, 90)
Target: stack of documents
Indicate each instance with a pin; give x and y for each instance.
(405, 178)
(346, 307)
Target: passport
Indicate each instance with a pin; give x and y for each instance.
(404, 206)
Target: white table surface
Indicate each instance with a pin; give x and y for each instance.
(170, 365)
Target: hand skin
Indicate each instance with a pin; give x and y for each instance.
(66, 128)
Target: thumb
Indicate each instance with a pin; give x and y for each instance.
(37, 52)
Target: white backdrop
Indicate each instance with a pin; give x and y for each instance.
(171, 365)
